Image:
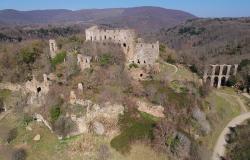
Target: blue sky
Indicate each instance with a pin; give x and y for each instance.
(201, 8)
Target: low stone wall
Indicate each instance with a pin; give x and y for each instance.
(154, 110)
(11, 86)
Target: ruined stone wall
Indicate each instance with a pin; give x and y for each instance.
(37, 90)
(83, 61)
(123, 37)
(146, 53)
(134, 51)
(53, 48)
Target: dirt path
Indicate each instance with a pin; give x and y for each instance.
(219, 149)
(176, 68)
(246, 95)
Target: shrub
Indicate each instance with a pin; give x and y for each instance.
(19, 154)
(238, 148)
(11, 135)
(63, 126)
(133, 65)
(27, 55)
(164, 137)
(55, 112)
(171, 60)
(231, 81)
(106, 59)
(193, 68)
(191, 30)
(58, 59)
(172, 142)
(27, 119)
(204, 90)
(162, 48)
(244, 63)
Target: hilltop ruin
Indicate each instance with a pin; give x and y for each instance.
(135, 49)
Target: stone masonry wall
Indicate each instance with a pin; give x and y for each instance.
(134, 51)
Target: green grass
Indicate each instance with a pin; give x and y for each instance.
(228, 90)
(223, 110)
(55, 112)
(166, 71)
(133, 129)
(178, 87)
(49, 147)
(106, 59)
(184, 73)
(58, 59)
(4, 93)
(180, 100)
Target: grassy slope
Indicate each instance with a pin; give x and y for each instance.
(222, 111)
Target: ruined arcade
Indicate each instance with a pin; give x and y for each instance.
(218, 75)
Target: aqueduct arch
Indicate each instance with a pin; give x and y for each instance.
(219, 74)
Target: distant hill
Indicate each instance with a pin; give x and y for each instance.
(219, 40)
(140, 18)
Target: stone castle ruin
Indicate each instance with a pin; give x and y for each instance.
(218, 75)
(53, 48)
(136, 51)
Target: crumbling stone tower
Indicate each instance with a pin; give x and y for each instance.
(53, 48)
(136, 51)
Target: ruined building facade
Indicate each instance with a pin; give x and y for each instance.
(218, 75)
(136, 51)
